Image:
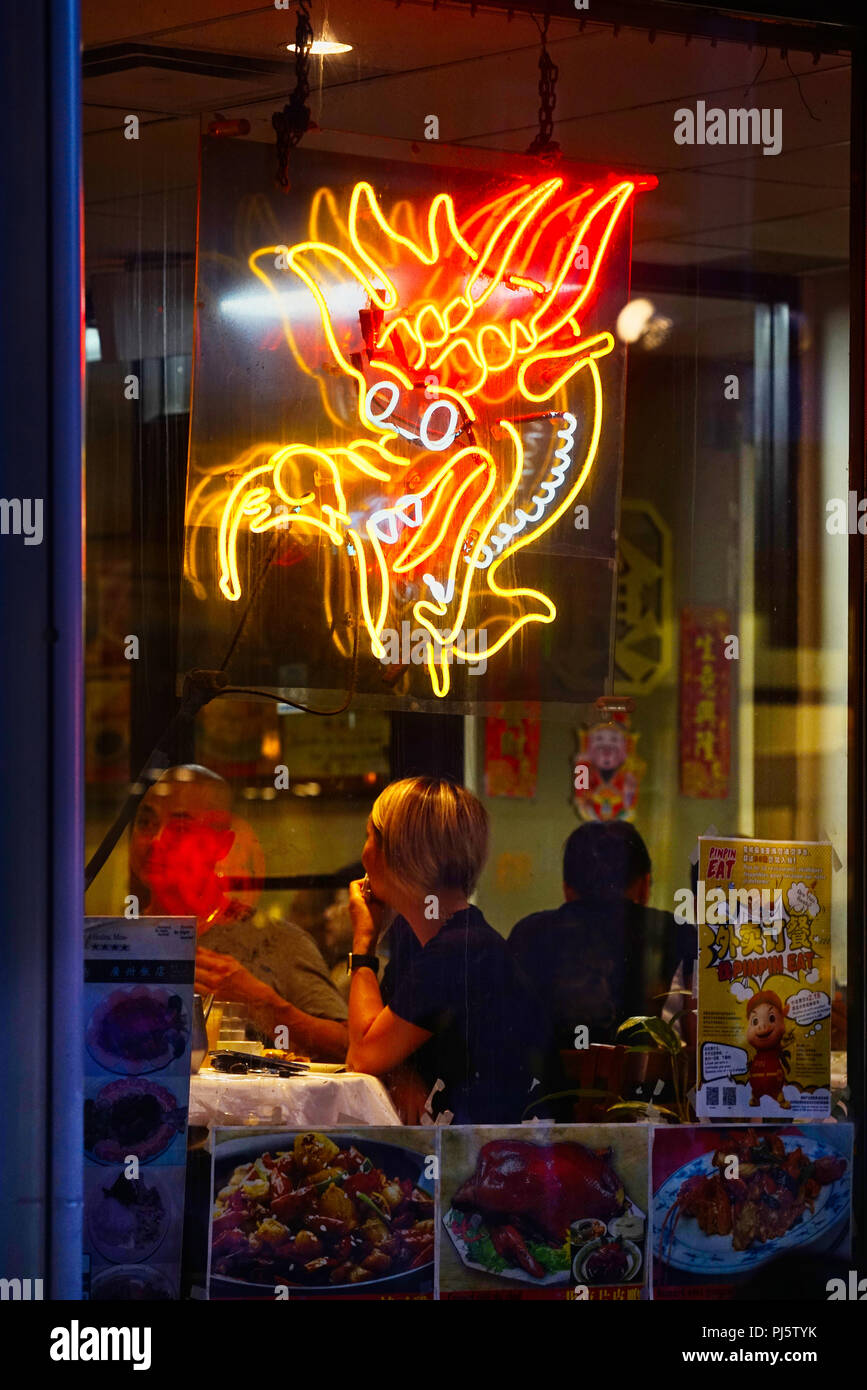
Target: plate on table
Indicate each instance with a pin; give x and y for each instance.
(689, 1249)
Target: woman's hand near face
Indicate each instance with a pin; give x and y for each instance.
(367, 916)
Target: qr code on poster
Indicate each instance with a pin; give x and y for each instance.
(727, 1101)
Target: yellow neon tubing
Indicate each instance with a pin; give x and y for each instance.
(414, 561)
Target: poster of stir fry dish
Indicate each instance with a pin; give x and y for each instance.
(306, 1214)
(750, 1212)
(763, 914)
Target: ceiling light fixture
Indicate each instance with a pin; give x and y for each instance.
(324, 48)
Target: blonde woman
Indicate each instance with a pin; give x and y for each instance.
(457, 1007)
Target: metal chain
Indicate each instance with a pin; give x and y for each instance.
(548, 74)
(291, 123)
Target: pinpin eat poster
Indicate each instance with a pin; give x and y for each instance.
(763, 913)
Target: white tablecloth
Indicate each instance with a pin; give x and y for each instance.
(218, 1098)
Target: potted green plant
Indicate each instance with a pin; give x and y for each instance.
(647, 1033)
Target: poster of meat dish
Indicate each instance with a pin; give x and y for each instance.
(748, 1212)
(553, 1211)
(138, 995)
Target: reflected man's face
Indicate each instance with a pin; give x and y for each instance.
(181, 832)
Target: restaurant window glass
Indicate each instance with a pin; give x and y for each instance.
(658, 591)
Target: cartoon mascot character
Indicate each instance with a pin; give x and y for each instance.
(766, 1033)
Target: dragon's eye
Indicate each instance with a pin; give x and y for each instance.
(444, 440)
(434, 442)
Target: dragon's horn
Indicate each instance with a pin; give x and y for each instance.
(506, 233)
(381, 238)
(580, 261)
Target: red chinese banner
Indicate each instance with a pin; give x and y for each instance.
(512, 752)
(705, 703)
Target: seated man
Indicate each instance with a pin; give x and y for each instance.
(604, 954)
(181, 832)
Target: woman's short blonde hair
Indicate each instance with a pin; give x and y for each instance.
(434, 834)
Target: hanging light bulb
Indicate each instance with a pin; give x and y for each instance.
(638, 320)
(324, 48)
(633, 319)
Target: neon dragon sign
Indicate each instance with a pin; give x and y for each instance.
(461, 331)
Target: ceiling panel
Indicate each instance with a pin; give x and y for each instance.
(616, 101)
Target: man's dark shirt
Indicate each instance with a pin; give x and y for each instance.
(597, 962)
(490, 1035)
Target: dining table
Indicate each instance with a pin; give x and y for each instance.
(322, 1097)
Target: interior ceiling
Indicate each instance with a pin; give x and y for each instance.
(616, 100)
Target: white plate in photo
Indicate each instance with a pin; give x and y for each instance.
(127, 1218)
(457, 1222)
(689, 1249)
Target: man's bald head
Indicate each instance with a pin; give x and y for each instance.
(193, 785)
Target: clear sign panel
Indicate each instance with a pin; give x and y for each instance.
(406, 436)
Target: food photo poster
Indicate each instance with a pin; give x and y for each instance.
(731, 1203)
(138, 994)
(553, 1211)
(763, 910)
(342, 1214)
(558, 1212)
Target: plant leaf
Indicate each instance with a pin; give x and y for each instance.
(567, 1095)
(643, 1106)
(664, 1035)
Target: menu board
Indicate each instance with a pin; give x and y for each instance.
(138, 996)
(735, 1206)
(763, 910)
